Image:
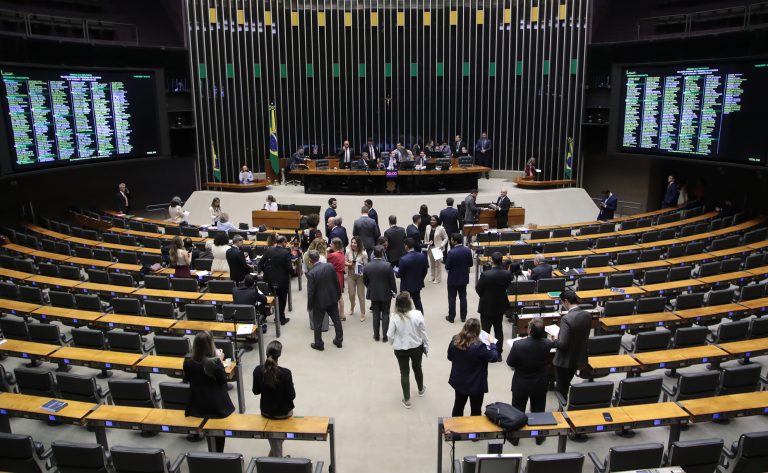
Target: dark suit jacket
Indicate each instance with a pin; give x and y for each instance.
(571, 343)
(529, 359)
(449, 217)
(456, 147)
(340, 155)
(541, 271)
(323, 288)
(238, 268)
(379, 278)
(375, 216)
(412, 270)
(670, 195)
(340, 233)
(208, 395)
(458, 262)
(610, 207)
(276, 265)
(412, 231)
(277, 400)
(367, 230)
(471, 211)
(504, 205)
(469, 369)
(329, 212)
(247, 296)
(492, 289)
(120, 202)
(367, 149)
(395, 243)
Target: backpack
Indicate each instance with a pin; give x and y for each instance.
(506, 416)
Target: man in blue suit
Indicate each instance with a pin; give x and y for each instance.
(607, 206)
(449, 216)
(412, 270)
(670, 194)
(458, 262)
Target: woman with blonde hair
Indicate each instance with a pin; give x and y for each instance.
(408, 335)
(355, 260)
(318, 244)
(180, 258)
(469, 357)
(530, 168)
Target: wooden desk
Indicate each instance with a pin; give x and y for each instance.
(605, 364)
(53, 283)
(17, 307)
(746, 348)
(290, 219)
(120, 417)
(254, 186)
(712, 312)
(738, 278)
(125, 268)
(575, 274)
(671, 287)
(104, 289)
(18, 249)
(30, 407)
(655, 415)
(299, 427)
(608, 294)
(65, 315)
(615, 249)
(13, 274)
(50, 256)
(760, 272)
(756, 306)
(171, 420)
(639, 321)
(725, 407)
(736, 251)
(680, 357)
(635, 267)
(26, 350)
(89, 262)
(699, 258)
(171, 365)
(96, 359)
(176, 296)
(237, 425)
(539, 298)
(551, 184)
(215, 298)
(136, 323)
(515, 216)
(219, 329)
(592, 420)
(659, 243)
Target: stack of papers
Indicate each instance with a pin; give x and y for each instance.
(553, 330)
(244, 329)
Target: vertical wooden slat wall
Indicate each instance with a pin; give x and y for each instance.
(398, 71)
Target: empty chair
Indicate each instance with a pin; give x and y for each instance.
(655, 276)
(517, 249)
(668, 218)
(126, 305)
(749, 454)
(667, 234)
(70, 272)
(133, 392)
(284, 465)
(48, 245)
(739, 379)
(689, 301)
(614, 308)
(14, 328)
(627, 257)
(570, 262)
(649, 237)
(157, 282)
(224, 286)
(561, 233)
(170, 230)
(649, 341)
(202, 264)
(550, 285)
(20, 454)
(568, 462)
(591, 395)
(128, 342)
(640, 390)
(135, 225)
(730, 332)
(754, 291)
(102, 254)
(644, 222)
(159, 309)
(88, 302)
(730, 265)
(35, 381)
(648, 305)
(696, 456)
(62, 247)
(146, 259)
(208, 312)
(625, 240)
(754, 261)
(46, 333)
(693, 386)
(715, 224)
(184, 284)
(89, 234)
(127, 257)
(206, 462)
(588, 283)
(577, 245)
(620, 279)
(540, 234)
(31, 294)
(143, 460)
(166, 345)
(675, 251)
(9, 290)
(487, 237)
(554, 247)
(7, 261)
(604, 345)
(606, 228)
(25, 266)
(121, 279)
(628, 225)
(174, 395)
(653, 254)
(150, 228)
(755, 236)
(629, 458)
(503, 236)
(127, 240)
(240, 312)
(694, 248)
(48, 269)
(605, 242)
(81, 388)
(688, 230)
(152, 243)
(678, 273)
(190, 231)
(723, 296)
(758, 328)
(596, 261)
(589, 230)
(7, 381)
(88, 338)
(720, 244)
(97, 276)
(689, 337)
(80, 457)
(709, 269)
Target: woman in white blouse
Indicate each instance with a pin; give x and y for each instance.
(270, 204)
(215, 211)
(219, 251)
(176, 211)
(408, 335)
(435, 236)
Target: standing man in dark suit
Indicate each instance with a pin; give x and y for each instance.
(671, 194)
(412, 270)
(277, 268)
(471, 210)
(458, 262)
(492, 289)
(571, 342)
(483, 148)
(541, 269)
(372, 213)
(123, 199)
(379, 278)
(372, 150)
(607, 206)
(346, 155)
(502, 209)
(458, 143)
(395, 241)
(337, 231)
(330, 212)
(365, 227)
(323, 294)
(238, 267)
(450, 217)
(413, 231)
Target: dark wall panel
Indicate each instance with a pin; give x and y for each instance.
(399, 71)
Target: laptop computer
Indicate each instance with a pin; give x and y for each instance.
(541, 418)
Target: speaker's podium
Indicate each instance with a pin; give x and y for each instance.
(283, 219)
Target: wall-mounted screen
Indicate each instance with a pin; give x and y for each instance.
(709, 111)
(61, 116)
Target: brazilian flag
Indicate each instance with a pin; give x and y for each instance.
(569, 159)
(216, 164)
(273, 158)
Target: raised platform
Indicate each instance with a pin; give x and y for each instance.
(523, 183)
(255, 186)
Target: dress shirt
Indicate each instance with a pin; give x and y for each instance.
(246, 177)
(270, 206)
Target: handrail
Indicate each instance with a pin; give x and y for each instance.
(622, 205)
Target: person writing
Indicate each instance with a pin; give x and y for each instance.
(246, 176)
(207, 378)
(408, 335)
(469, 357)
(275, 385)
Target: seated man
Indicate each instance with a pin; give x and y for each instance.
(246, 176)
(360, 164)
(248, 294)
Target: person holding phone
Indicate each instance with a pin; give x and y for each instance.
(207, 378)
(469, 357)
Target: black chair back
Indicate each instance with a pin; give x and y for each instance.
(48, 269)
(127, 342)
(87, 338)
(35, 381)
(284, 465)
(577, 245)
(739, 379)
(80, 457)
(641, 390)
(240, 312)
(678, 273)
(61, 299)
(730, 265)
(732, 332)
(126, 305)
(652, 254)
(26, 266)
(604, 345)
(159, 309)
(571, 262)
(758, 328)
(605, 242)
(697, 385)
(45, 333)
(550, 285)
(17, 454)
(522, 287)
(132, 392)
(31, 294)
(587, 283)
(561, 233)
(103, 255)
(614, 308)
(655, 276)
(138, 460)
(620, 279)
(221, 286)
(88, 302)
(206, 462)
(635, 457)
(202, 264)
(174, 395)
(689, 301)
(556, 247)
(569, 462)
(596, 261)
(14, 328)
(79, 388)
(591, 395)
(184, 284)
(723, 296)
(70, 272)
(166, 345)
(751, 452)
(157, 282)
(647, 305)
(121, 279)
(696, 456)
(200, 312)
(652, 341)
(689, 337)
(709, 269)
(754, 291)
(97, 276)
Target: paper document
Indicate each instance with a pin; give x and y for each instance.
(553, 330)
(485, 337)
(2, 341)
(202, 272)
(512, 341)
(437, 253)
(244, 329)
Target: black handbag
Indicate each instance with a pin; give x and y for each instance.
(506, 416)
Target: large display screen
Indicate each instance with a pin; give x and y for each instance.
(55, 117)
(710, 112)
